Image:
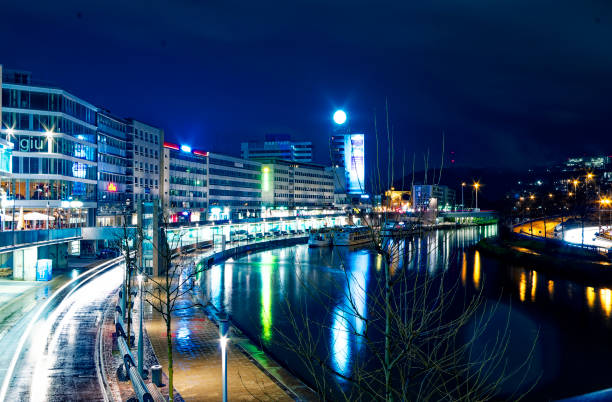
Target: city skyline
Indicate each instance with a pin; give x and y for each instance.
(463, 85)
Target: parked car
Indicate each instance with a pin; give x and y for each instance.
(284, 233)
(259, 235)
(250, 237)
(268, 234)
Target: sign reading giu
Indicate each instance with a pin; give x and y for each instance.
(32, 144)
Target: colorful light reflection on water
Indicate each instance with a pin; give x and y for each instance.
(263, 282)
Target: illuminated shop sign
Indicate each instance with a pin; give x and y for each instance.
(32, 144)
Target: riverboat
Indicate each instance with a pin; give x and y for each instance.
(320, 238)
(352, 236)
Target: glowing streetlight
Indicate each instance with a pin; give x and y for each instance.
(476, 187)
(462, 187)
(223, 340)
(339, 117)
(140, 334)
(532, 197)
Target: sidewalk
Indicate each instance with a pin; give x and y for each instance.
(197, 360)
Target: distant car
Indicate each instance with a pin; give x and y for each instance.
(284, 233)
(250, 237)
(106, 253)
(259, 235)
(268, 234)
(293, 232)
(276, 233)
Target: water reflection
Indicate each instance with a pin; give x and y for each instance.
(266, 295)
(263, 281)
(476, 269)
(350, 314)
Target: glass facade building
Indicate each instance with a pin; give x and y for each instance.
(54, 161)
(112, 169)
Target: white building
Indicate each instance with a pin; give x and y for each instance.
(184, 183)
(294, 185)
(145, 143)
(234, 187)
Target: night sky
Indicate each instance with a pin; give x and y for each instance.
(510, 83)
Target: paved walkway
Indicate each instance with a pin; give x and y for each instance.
(197, 360)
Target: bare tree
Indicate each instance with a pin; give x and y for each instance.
(129, 241)
(420, 342)
(177, 279)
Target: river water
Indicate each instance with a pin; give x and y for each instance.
(569, 322)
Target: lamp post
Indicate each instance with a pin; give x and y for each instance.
(476, 186)
(223, 332)
(140, 337)
(462, 187)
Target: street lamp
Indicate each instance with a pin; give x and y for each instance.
(476, 186)
(223, 340)
(462, 187)
(140, 335)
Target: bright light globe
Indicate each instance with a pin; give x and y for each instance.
(340, 117)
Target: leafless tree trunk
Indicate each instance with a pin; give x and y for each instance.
(128, 241)
(177, 279)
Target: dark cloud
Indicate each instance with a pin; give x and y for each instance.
(509, 82)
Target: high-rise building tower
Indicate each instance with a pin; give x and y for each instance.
(348, 152)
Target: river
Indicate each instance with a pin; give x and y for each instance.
(569, 322)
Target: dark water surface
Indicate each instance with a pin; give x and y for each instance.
(572, 321)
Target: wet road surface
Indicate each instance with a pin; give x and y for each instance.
(58, 359)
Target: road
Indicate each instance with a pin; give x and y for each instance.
(575, 236)
(54, 357)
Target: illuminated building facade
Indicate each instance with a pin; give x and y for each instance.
(184, 183)
(288, 184)
(348, 152)
(113, 164)
(54, 162)
(432, 196)
(144, 149)
(234, 187)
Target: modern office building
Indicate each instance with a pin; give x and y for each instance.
(295, 185)
(144, 147)
(54, 163)
(432, 197)
(348, 152)
(277, 146)
(184, 183)
(234, 187)
(113, 165)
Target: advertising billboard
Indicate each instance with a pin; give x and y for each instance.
(354, 162)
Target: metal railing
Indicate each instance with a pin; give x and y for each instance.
(23, 237)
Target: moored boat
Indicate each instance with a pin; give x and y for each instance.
(350, 236)
(320, 238)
